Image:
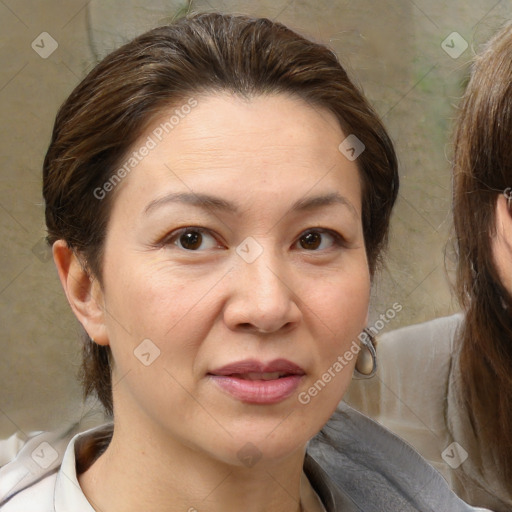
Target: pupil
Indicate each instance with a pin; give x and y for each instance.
(311, 241)
(191, 240)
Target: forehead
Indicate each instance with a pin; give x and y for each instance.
(224, 121)
(261, 144)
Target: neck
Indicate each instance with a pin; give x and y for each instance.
(155, 474)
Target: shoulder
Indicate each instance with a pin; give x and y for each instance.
(10, 447)
(377, 470)
(433, 336)
(29, 466)
(408, 394)
(37, 497)
(416, 350)
(42, 477)
(415, 364)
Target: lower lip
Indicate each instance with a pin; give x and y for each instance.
(258, 391)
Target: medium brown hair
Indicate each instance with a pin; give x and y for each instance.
(203, 53)
(482, 171)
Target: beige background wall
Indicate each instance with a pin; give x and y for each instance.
(393, 48)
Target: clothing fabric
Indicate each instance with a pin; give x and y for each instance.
(354, 465)
(416, 394)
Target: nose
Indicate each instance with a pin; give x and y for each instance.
(263, 298)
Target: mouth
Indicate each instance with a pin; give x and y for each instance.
(254, 368)
(254, 382)
(259, 376)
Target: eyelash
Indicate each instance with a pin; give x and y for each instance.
(172, 239)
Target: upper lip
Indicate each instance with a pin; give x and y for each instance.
(253, 366)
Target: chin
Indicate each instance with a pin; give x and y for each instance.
(269, 445)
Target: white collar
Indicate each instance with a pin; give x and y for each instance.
(68, 493)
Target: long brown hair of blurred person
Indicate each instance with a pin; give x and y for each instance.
(482, 171)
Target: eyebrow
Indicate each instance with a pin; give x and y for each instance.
(209, 202)
(206, 201)
(311, 203)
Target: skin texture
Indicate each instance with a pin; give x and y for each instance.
(502, 242)
(177, 434)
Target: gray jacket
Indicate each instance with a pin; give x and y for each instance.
(354, 465)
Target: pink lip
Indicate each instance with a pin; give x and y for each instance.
(230, 379)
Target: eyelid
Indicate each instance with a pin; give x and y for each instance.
(338, 239)
(171, 238)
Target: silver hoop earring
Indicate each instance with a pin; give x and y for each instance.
(508, 196)
(366, 363)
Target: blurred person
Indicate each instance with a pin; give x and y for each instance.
(445, 386)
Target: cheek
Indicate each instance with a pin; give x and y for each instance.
(165, 308)
(340, 314)
(339, 309)
(342, 300)
(147, 298)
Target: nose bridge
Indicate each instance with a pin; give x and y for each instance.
(266, 276)
(263, 293)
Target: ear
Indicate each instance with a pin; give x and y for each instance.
(502, 242)
(83, 292)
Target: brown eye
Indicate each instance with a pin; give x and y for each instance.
(311, 241)
(320, 239)
(191, 240)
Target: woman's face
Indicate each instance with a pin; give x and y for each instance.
(235, 277)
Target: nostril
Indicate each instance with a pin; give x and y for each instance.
(248, 326)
